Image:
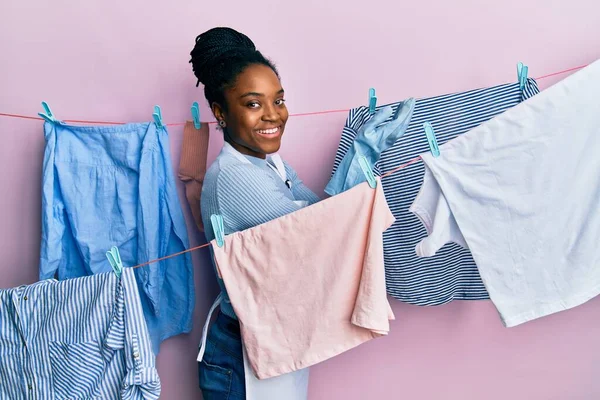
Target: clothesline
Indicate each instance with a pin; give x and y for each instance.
(406, 164)
(414, 160)
(76, 121)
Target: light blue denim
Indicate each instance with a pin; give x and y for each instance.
(109, 186)
(373, 138)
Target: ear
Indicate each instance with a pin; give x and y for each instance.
(218, 111)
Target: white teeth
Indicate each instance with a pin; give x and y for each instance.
(268, 131)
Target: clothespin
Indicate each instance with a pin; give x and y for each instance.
(522, 71)
(196, 115)
(372, 101)
(47, 115)
(216, 221)
(366, 169)
(157, 115)
(431, 140)
(114, 258)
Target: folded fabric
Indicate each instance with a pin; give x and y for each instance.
(523, 190)
(311, 284)
(374, 137)
(451, 274)
(192, 166)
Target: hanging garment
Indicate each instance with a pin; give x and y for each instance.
(524, 190)
(290, 386)
(192, 166)
(107, 186)
(248, 191)
(82, 338)
(451, 274)
(305, 289)
(371, 140)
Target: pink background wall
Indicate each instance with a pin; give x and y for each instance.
(113, 60)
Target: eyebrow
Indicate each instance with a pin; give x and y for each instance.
(281, 91)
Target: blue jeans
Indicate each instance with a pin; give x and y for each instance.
(221, 372)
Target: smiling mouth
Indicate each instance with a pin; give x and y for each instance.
(273, 132)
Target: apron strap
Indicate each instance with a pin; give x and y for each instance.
(206, 325)
(280, 169)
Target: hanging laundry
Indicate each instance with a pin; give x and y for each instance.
(107, 186)
(371, 140)
(192, 166)
(524, 190)
(271, 188)
(451, 274)
(237, 180)
(306, 290)
(75, 339)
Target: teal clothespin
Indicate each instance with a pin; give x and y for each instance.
(367, 170)
(47, 114)
(114, 258)
(157, 115)
(372, 101)
(431, 140)
(522, 71)
(216, 221)
(196, 115)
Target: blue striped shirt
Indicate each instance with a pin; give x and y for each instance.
(247, 195)
(451, 274)
(83, 338)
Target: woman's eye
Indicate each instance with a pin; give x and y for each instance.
(253, 104)
(279, 102)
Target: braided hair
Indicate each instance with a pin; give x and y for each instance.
(219, 56)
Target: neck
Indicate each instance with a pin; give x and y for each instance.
(245, 150)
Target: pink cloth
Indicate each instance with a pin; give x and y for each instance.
(311, 284)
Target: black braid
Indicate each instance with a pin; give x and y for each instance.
(219, 56)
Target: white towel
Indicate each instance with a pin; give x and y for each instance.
(522, 192)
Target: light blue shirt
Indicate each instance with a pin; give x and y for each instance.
(75, 339)
(107, 186)
(373, 138)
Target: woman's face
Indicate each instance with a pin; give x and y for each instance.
(256, 112)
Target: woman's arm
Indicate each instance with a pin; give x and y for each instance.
(248, 197)
(299, 189)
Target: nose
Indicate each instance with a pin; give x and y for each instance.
(270, 113)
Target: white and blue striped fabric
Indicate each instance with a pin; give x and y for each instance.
(451, 274)
(83, 338)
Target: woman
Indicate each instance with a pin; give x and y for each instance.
(245, 185)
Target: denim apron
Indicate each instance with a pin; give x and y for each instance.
(290, 386)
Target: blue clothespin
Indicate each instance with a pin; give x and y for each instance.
(431, 140)
(216, 221)
(157, 115)
(522, 71)
(372, 101)
(114, 258)
(47, 115)
(366, 169)
(196, 115)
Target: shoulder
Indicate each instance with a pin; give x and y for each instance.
(226, 169)
(240, 174)
(290, 171)
(241, 180)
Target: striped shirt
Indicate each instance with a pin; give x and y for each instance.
(451, 274)
(247, 195)
(75, 339)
